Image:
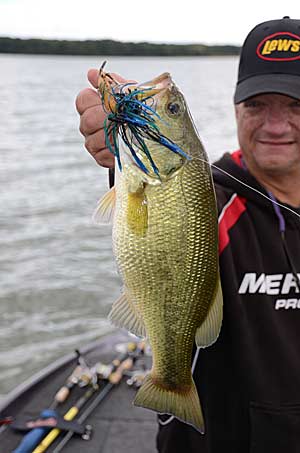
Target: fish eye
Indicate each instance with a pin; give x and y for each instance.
(173, 108)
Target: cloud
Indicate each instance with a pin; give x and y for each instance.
(157, 20)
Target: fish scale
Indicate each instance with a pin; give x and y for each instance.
(165, 241)
(180, 272)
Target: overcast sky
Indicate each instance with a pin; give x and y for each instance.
(211, 22)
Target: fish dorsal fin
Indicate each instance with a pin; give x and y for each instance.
(105, 209)
(125, 314)
(209, 330)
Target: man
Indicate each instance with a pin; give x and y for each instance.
(249, 380)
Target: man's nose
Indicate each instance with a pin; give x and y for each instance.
(277, 121)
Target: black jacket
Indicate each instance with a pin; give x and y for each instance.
(249, 380)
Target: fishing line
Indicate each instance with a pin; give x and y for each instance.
(136, 115)
(3, 428)
(247, 185)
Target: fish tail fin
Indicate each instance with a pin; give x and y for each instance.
(184, 405)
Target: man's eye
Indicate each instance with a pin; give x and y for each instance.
(252, 103)
(295, 104)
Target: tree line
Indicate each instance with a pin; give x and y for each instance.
(110, 47)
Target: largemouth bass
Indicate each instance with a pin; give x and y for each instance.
(165, 240)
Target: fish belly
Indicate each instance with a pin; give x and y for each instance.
(170, 270)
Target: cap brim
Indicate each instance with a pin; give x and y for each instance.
(287, 84)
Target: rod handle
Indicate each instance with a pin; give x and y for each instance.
(62, 394)
(116, 376)
(50, 438)
(33, 437)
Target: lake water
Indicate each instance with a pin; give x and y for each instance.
(57, 274)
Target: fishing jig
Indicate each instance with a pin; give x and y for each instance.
(130, 113)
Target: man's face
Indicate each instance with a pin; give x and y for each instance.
(269, 133)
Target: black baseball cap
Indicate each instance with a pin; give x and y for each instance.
(270, 60)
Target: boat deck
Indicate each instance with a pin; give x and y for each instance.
(117, 425)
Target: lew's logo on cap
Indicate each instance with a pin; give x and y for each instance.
(281, 46)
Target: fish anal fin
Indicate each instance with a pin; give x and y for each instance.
(209, 330)
(104, 211)
(184, 405)
(125, 314)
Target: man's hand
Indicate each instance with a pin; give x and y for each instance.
(92, 116)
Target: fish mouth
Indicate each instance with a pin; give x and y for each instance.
(156, 86)
(153, 88)
(132, 110)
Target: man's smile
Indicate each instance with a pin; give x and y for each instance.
(276, 142)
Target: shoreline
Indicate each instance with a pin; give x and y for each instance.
(30, 46)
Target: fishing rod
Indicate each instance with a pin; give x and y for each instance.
(114, 373)
(69, 415)
(105, 390)
(113, 380)
(111, 177)
(33, 437)
(81, 376)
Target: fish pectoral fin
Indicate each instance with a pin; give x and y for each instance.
(209, 330)
(137, 212)
(184, 405)
(104, 211)
(125, 314)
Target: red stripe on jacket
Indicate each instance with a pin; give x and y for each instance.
(228, 218)
(237, 157)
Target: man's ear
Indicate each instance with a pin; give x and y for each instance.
(236, 109)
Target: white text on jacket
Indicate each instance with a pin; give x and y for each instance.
(268, 284)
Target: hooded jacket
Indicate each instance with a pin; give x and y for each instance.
(249, 380)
